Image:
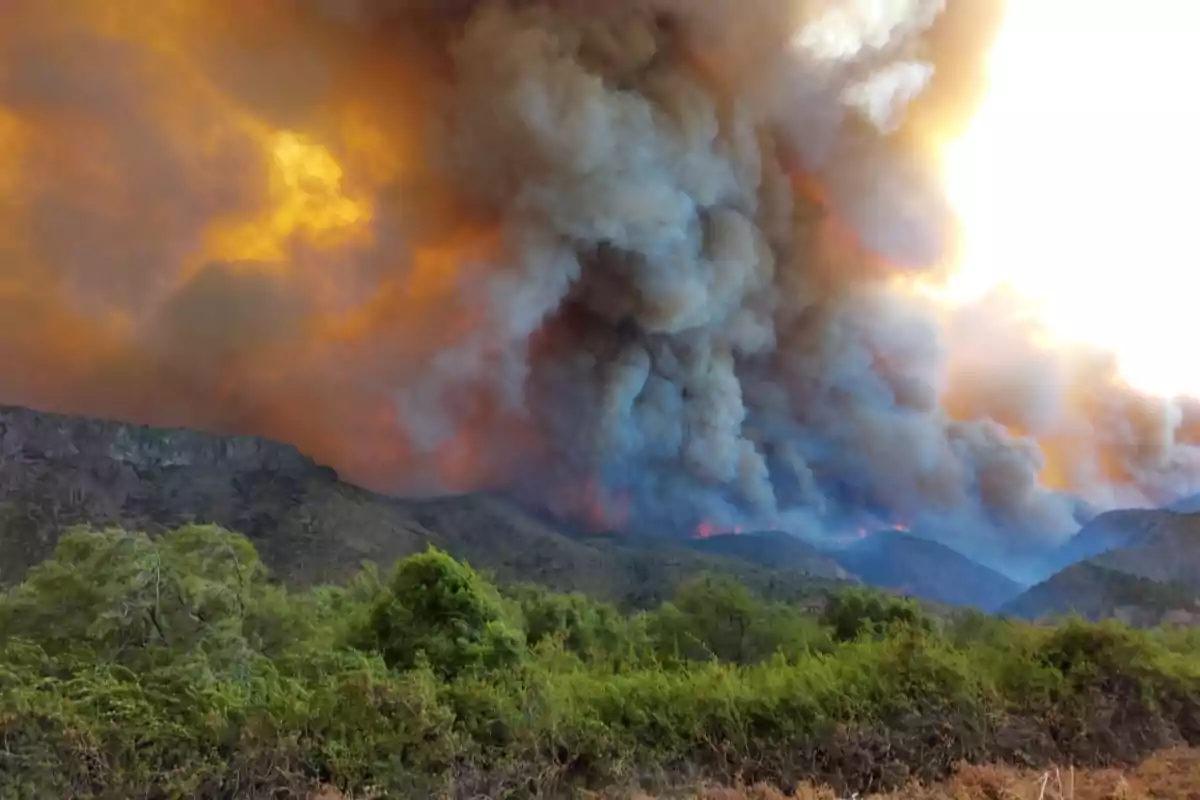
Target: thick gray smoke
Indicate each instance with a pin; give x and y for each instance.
(723, 364)
(640, 259)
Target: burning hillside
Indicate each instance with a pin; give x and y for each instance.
(651, 261)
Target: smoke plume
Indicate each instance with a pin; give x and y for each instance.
(651, 261)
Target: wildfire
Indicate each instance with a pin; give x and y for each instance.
(258, 219)
(605, 509)
(866, 531)
(215, 263)
(707, 530)
(304, 186)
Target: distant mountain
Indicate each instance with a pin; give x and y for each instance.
(926, 569)
(1097, 592)
(1116, 529)
(1144, 563)
(1167, 552)
(1156, 544)
(59, 471)
(1186, 505)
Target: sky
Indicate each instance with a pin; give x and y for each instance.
(1077, 179)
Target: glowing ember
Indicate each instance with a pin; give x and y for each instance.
(866, 531)
(707, 530)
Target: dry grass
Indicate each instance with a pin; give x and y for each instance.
(1172, 775)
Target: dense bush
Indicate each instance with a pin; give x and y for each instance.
(442, 613)
(713, 618)
(167, 667)
(861, 612)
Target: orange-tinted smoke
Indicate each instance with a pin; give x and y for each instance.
(221, 214)
(199, 225)
(1079, 430)
(837, 246)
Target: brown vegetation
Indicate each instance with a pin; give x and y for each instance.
(1170, 775)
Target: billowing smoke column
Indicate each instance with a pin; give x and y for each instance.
(645, 260)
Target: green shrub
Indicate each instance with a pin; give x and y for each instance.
(171, 666)
(715, 618)
(584, 625)
(440, 612)
(122, 598)
(852, 613)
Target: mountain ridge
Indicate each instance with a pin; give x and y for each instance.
(59, 471)
(1096, 592)
(922, 567)
(1142, 565)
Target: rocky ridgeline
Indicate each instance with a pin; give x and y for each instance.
(59, 471)
(34, 435)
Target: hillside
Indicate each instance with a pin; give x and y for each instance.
(1186, 505)
(1143, 565)
(1121, 528)
(926, 569)
(1168, 552)
(1096, 592)
(60, 471)
(133, 653)
(772, 549)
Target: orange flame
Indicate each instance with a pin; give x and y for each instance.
(707, 530)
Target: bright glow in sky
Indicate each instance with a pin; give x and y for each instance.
(1078, 180)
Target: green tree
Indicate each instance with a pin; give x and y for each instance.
(973, 627)
(717, 618)
(1107, 654)
(585, 626)
(116, 597)
(852, 613)
(441, 611)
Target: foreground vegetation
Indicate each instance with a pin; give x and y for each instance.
(138, 667)
(1170, 775)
